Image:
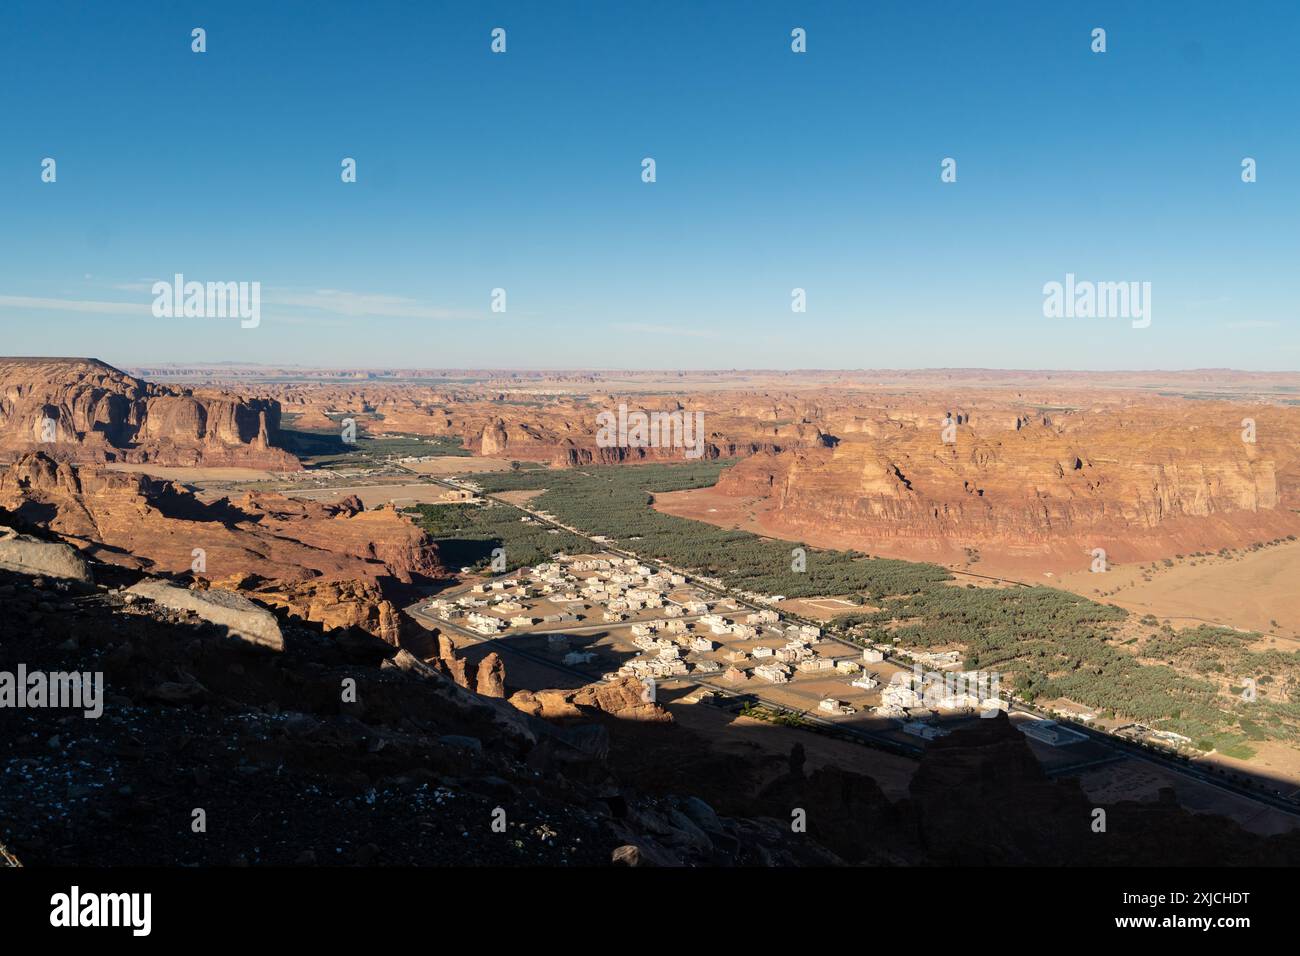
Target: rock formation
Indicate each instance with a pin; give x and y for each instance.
(21, 552)
(324, 563)
(622, 698)
(83, 410)
(240, 617)
(490, 679)
(1137, 486)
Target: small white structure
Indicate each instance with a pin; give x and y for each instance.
(836, 707)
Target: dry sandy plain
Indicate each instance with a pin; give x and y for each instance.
(1249, 592)
(189, 475)
(372, 496)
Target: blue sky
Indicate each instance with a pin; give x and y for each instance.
(775, 170)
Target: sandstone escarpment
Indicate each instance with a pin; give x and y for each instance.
(1073, 481)
(84, 410)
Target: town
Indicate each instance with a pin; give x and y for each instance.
(610, 617)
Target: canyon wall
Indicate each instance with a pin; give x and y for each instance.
(1139, 481)
(83, 410)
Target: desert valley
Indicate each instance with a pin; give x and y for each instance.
(510, 590)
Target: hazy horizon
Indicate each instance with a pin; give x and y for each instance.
(481, 366)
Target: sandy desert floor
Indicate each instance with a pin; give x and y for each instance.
(374, 495)
(171, 473)
(1249, 592)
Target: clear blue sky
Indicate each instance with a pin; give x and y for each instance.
(775, 170)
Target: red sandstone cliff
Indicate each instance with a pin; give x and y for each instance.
(1037, 483)
(79, 409)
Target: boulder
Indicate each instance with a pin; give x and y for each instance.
(621, 698)
(28, 555)
(701, 814)
(241, 617)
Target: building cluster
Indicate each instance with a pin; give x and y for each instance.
(618, 586)
(507, 598)
(679, 629)
(910, 692)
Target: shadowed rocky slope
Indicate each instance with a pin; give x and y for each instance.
(289, 766)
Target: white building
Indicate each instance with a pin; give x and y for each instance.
(483, 623)
(836, 707)
(775, 673)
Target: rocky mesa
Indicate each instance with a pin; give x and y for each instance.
(80, 409)
(1140, 484)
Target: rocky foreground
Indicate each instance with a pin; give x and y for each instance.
(333, 749)
(236, 734)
